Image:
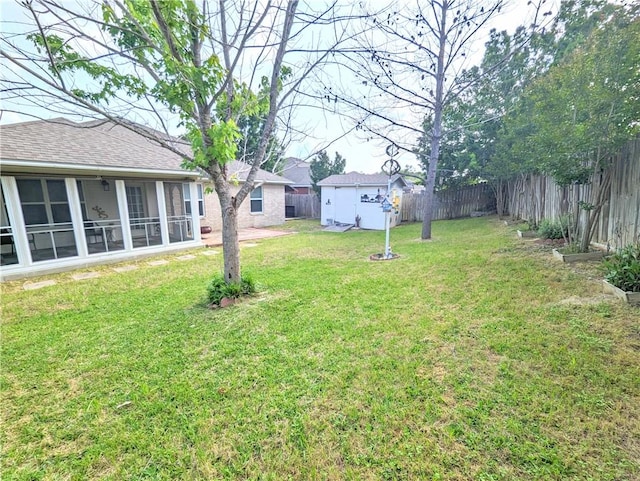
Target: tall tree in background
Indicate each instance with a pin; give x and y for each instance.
(162, 62)
(575, 117)
(322, 167)
(414, 64)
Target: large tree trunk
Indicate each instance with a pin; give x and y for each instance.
(230, 245)
(230, 241)
(436, 133)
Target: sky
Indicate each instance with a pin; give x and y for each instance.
(325, 130)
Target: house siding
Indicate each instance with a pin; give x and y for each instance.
(272, 209)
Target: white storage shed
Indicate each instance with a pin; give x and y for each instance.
(348, 196)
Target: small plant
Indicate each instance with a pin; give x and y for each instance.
(218, 289)
(623, 268)
(552, 229)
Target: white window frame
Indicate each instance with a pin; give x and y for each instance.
(46, 201)
(187, 199)
(142, 203)
(255, 197)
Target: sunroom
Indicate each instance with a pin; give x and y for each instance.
(59, 215)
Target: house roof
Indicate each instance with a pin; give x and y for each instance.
(240, 170)
(297, 171)
(63, 144)
(358, 179)
(97, 147)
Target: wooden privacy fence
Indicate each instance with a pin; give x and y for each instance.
(537, 197)
(450, 204)
(302, 205)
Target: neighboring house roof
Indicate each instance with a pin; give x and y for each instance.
(358, 179)
(101, 146)
(298, 171)
(240, 170)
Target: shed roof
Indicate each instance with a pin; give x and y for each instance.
(357, 179)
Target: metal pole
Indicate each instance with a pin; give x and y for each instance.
(387, 222)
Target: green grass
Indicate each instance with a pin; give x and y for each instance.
(473, 356)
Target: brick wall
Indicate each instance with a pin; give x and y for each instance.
(272, 209)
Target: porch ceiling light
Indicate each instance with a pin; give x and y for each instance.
(105, 185)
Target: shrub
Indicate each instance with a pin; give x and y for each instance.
(219, 289)
(552, 229)
(623, 268)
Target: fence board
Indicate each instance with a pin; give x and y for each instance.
(537, 197)
(449, 204)
(305, 205)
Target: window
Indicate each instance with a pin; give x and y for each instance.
(256, 200)
(187, 199)
(135, 202)
(44, 201)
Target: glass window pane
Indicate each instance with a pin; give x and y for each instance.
(60, 213)
(4, 215)
(201, 208)
(34, 214)
(30, 190)
(187, 191)
(256, 193)
(256, 206)
(57, 191)
(187, 207)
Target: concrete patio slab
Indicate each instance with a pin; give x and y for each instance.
(215, 238)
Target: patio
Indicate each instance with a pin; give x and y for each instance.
(215, 238)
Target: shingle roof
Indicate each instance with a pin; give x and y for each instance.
(99, 144)
(241, 170)
(297, 171)
(356, 178)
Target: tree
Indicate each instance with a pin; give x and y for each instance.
(322, 167)
(161, 63)
(584, 109)
(415, 59)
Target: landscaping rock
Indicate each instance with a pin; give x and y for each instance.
(29, 286)
(85, 275)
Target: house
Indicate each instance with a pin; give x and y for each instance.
(264, 206)
(347, 197)
(298, 172)
(78, 194)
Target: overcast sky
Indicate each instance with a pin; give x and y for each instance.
(323, 127)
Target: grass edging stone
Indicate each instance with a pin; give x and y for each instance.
(632, 298)
(578, 257)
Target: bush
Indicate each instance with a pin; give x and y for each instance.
(219, 289)
(552, 229)
(623, 268)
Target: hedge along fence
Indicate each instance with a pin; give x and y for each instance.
(450, 204)
(537, 197)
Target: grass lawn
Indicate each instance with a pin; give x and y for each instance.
(473, 356)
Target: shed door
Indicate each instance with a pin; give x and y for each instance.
(345, 205)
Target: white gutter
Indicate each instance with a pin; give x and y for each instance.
(100, 169)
